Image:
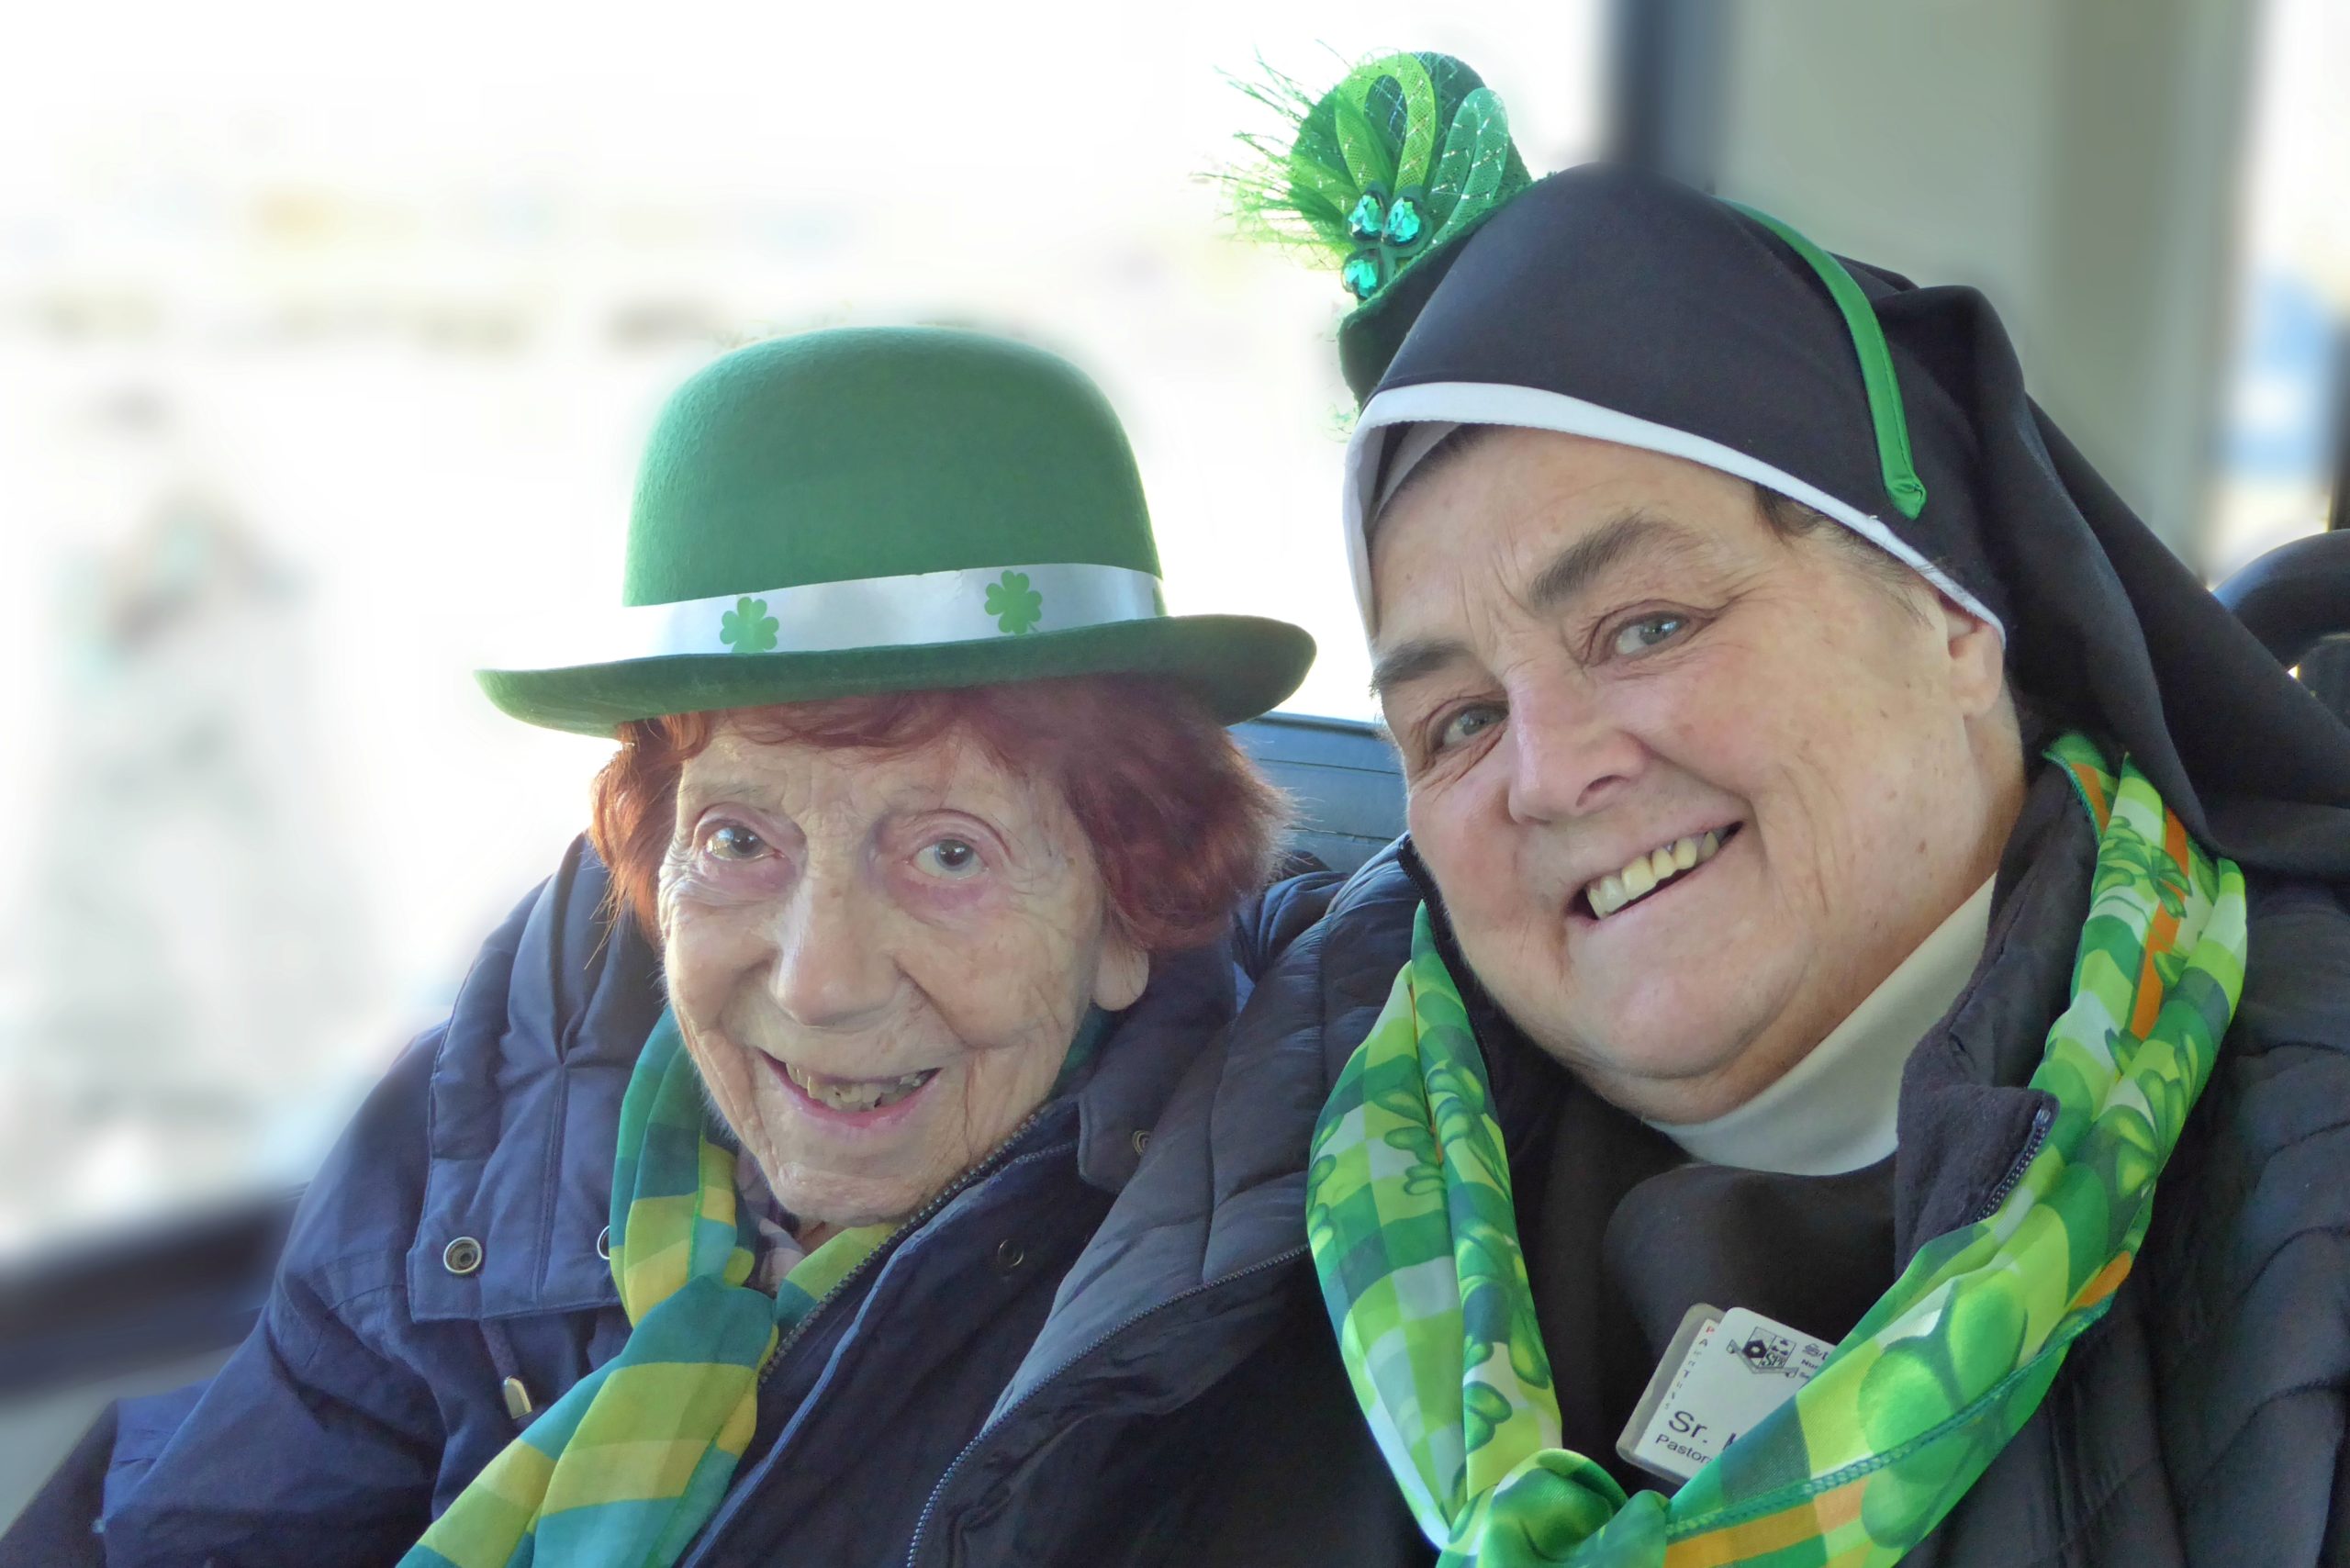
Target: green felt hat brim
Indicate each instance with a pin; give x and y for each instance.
(1240, 664)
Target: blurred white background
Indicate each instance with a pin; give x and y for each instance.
(328, 338)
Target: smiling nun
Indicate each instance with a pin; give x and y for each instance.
(1866, 904)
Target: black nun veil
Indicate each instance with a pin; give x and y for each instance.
(1607, 302)
(1615, 305)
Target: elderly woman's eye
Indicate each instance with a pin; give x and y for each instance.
(1648, 631)
(1465, 724)
(732, 841)
(951, 857)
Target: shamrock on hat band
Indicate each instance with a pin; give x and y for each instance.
(914, 609)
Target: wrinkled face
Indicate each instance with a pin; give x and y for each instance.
(1689, 789)
(878, 959)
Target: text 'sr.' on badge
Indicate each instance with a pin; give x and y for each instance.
(1723, 1372)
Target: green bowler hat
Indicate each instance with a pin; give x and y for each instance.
(847, 512)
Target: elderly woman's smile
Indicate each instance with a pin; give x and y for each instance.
(880, 958)
(857, 1099)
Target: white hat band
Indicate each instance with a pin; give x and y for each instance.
(968, 605)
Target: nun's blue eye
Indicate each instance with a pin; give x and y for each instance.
(1635, 637)
(1466, 725)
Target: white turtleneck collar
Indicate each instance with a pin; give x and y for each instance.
(1836, 1110)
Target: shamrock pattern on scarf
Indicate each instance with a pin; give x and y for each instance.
(1414, 1238)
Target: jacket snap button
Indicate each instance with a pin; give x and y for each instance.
(462, 1256)
(604, 1244)
(1009, 1256)
(1142, 1140)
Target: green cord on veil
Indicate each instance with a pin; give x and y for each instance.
(1415, 1240)
(1878, 378)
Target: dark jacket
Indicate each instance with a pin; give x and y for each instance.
(1180, 1403)
(2201, 1422)
(1067, 1361)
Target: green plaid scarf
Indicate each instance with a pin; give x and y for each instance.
(626, 1468)
(1413, 1235)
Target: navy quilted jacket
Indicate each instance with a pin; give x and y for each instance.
(1102, 1350)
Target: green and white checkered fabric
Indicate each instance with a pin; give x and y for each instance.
(626, 1468)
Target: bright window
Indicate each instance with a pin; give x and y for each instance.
(327, 339)
(2285, 410)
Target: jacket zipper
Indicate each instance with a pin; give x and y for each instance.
(997, 1157)
(930, 1509)
(2043, 1120)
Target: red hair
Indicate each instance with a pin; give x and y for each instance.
(1183, 826)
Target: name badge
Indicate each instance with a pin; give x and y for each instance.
(1723, 1372)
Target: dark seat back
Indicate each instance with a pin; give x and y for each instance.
(2296, 599)
(1342, 775)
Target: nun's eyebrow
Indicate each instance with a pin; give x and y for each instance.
(1574, 569)
(1569, 575)
(1414, 660)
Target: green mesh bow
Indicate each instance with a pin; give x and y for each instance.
(1407, 154)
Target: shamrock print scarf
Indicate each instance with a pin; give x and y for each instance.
(625, 1469)
(1415, 1240)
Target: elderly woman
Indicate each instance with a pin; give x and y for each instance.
(750, 1204)
(1853, 1060)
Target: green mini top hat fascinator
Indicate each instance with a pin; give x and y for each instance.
(1539, 341)
(847, 512)
(1384, 174)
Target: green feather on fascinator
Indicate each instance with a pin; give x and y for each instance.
(1400, 159)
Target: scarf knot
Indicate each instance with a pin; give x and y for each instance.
(627, 1467)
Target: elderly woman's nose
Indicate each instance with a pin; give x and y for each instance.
(1567, 755)
(831, 966)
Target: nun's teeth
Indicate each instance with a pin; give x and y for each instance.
(1607, 894)
(1648, 872)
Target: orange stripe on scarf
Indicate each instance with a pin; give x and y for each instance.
(1810, 1519)
(2161, 936)
(2104, 1282)
(2093, 791)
